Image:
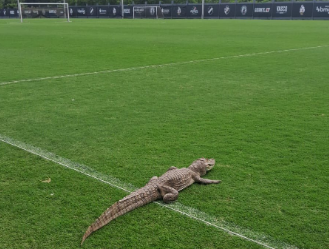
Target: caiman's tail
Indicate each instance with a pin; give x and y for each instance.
(134, 200)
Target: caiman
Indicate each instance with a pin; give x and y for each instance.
(165, 187)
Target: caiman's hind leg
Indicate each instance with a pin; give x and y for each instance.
(205, 181)
(169, 194)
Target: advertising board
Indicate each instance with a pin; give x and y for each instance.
(211, 11)
(73, 11)
(115, 11)
(281, 10)
(103, 11)
(166, 11)
(268, 10)
(262, 10)
(81, 12)
(302, 10)
(244, 10)
(194, 11)
(178, 11)
(128, 11)
(91, 11)
(227, 11)
(321, 10)
(12, 13)
(9, 13)
(52, 13)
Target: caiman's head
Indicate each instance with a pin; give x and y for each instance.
(202, 165)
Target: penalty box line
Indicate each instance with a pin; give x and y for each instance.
(158, 66)
(258, 238)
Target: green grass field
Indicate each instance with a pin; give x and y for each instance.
(252, 94)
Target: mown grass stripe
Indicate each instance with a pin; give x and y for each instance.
(156, 66)
(255, 237)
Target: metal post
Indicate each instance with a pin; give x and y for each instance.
(202, 12)
(68, 12)
(122, 10)
(20, 11)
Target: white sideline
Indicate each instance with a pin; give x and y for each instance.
(258, 238)
(156, 66)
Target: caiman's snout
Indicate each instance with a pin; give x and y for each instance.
(210, 164)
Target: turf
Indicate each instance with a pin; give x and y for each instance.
(263, 117)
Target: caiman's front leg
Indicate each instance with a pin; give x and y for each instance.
(169, 194)
(198, 179)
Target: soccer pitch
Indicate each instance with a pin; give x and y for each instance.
(101, 106)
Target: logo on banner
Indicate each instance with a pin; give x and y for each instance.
(71, 11)
(322, 10)
(102, 12)
(194, 11)
(227, 10)
(165, 11)
(91, 10)
(52, 11)
(244, 10)
(302, 10)
(127, 11)
(4, 12)
(152, 11)
(282, 9)
(262, 10)
(114, 11)
(179, 11)
(139, 10)
(82, 11)
(210, 10)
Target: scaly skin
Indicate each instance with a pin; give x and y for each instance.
(165, 187)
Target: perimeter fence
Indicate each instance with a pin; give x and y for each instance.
(221, 10)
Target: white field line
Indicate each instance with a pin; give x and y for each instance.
(157, 66)
(258, 238)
